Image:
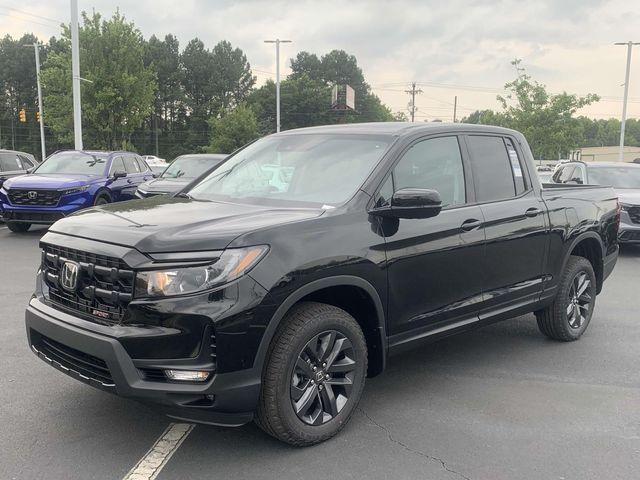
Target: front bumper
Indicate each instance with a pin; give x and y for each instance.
(100, 360)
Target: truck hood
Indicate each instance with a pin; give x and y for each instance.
(629, 196)
(53, 181)
(168, 224)
(164, 185)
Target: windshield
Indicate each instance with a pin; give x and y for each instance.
(299, 169)
(617, 177)
(73, 162)
(189, 167)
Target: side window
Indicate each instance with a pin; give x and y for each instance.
(567, 174)
(26, 163)
(578, 175)
(557, 174)
(142, 167)
(117, 165)
(516, 166)
(492, 168)
(131, 165)
(386, 192)
(434, 164)
(10, 162)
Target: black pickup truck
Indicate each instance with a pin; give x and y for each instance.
(251, 295)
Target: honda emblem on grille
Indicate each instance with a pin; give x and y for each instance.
(32, 195)
(69, 275)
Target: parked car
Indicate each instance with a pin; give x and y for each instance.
(14, 163)
(623, 177)
(179, 173)
(238, 300)
(544, 173)
(69, 181)
(156, 164)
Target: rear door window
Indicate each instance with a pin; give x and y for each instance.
(131, 165)
(493, 168)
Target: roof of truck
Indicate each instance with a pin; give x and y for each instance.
(397, 128)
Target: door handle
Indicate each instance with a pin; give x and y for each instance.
(470, 224)
(129, 181)
(533, 212)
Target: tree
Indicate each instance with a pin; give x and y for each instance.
(122, 91)
(233, 130)
(545, 119)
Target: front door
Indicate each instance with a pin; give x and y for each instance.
(434, 264)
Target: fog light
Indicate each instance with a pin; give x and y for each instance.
(187, 375)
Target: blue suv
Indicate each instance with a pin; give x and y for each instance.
(69, 181)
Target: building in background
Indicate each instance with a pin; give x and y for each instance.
(605, 154)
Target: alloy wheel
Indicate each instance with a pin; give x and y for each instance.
(580, 297)
(322, 377)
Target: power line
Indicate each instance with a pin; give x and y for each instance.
(24, 12)
(12, 16)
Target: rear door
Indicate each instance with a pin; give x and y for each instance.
(434, 264)
(515, 223)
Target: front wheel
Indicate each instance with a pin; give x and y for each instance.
(567, 318)
(314, 375)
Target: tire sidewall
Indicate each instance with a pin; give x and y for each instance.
(285, 408)
(574, 268)
(18, 227)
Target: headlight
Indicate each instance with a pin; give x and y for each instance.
(71, 191)
(232, 264)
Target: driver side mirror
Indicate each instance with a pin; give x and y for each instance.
(412, 203)
(118, 174)
(30, 169)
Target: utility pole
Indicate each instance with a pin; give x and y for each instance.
(75, 72)
(412, 105)
(455, 107)
(277, 41)
(629, 45)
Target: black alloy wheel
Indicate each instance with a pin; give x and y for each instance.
(580, 296)
(322, 377)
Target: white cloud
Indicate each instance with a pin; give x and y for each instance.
(567, 45)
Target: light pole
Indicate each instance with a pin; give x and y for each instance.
(36, 48)
(629, 45)
(75, 72)
(277, 41)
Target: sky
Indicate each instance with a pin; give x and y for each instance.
(451, 48)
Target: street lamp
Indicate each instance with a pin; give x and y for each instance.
(277, 41)
(626, 94)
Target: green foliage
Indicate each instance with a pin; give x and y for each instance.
(122, 91)
(546, 120)
(233, 130)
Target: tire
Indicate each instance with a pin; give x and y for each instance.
(102, 200)
(285, 377)
(18, 227)
(568, 317)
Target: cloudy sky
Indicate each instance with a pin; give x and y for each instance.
(451, 47)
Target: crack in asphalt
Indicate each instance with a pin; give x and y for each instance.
(408, 448)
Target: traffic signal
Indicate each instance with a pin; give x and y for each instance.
(23, 116)
(38, 117)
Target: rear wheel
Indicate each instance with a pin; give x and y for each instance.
(314, 375)
(567, 318)
(18, 227)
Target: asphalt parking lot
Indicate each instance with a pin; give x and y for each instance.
(499, 403)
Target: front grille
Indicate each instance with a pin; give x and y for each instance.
(39, 198)
(104, 284)
(630, 236)
(33, 217)
(74, 362)
(634, 214)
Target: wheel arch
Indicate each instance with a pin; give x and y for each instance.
(366, 308)
(102, 192)
(588, 245)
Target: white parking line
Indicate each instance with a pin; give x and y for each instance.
(159, 454)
